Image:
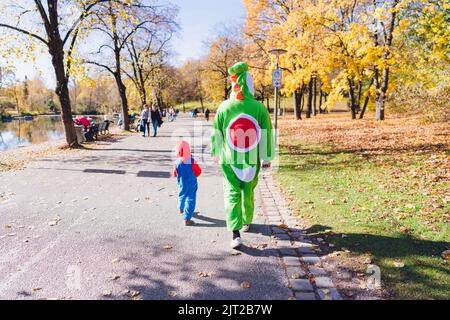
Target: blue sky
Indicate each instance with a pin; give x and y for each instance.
(197, 19)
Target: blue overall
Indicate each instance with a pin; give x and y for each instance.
(187, 188)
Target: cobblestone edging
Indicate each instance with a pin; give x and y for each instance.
(306, 277)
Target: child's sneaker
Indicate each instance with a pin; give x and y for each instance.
(236, 243)
(188, 222)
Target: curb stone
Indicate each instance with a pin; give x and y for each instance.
(302, 267)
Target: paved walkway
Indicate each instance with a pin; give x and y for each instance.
(103, 224)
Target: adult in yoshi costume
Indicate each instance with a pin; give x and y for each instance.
(242, 139)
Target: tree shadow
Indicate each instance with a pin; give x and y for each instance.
(176, 276)
(424, 148)
(417, 271)
(210, 222)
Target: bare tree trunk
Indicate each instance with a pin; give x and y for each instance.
(381, 88)
(225, 89)
(315, 96)
(302, 98)
(352, 98)
(366, 101)
(202, 104)
(358, 100)
(310, 97)
(118, 73)
(56, 50)
(363, 111)
(124, 101)
(295, 99)
(62, 91)
(298, 99)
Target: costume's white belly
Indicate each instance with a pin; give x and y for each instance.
(245, 175)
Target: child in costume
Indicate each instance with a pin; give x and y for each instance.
(186, 171)
(242, 139)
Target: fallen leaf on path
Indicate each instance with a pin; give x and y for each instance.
(399, 264)
(134, 294)
(114, 278)
(8, 226)
(446, 255)
(203, 274)
(107, 293)
(326, 291)
(136, 200)
(283, 226)
(173, 294)
(168, 247)
(245, 285)
(296, 276)
(12, 234)
(331, 202)
(37, 289)
(116, 260)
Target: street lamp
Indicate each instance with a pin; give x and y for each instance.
(276, 80)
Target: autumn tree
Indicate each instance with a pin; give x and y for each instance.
(56, 26)
(145, 49)
(117, 24)
(225, 49)
(346, 47)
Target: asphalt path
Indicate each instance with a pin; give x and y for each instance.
(103, 224)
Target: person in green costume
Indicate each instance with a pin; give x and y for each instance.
(242, 140)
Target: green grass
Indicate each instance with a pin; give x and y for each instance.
(379, 214)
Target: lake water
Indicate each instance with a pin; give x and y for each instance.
(21, 133)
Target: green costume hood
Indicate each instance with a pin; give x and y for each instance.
(242, 82)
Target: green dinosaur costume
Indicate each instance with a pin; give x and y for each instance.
(242, 138)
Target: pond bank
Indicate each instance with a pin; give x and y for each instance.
(17, 159)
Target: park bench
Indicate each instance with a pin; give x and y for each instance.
(99, 129)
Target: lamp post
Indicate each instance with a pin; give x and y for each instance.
(276, 81)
